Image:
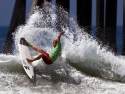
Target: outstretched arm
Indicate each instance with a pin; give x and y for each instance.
(60, 34)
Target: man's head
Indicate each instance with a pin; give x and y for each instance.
(55, 42)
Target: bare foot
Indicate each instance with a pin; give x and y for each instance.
(29, 60)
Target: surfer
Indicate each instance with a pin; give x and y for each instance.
(47, 58)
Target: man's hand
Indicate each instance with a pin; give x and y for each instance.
(61, 33)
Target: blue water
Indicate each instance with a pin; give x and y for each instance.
(119, 39)
(3, 33)
(4, 30)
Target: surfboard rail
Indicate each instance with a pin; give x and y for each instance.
(25, 53)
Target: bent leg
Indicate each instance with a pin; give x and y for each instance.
(36, 58)
(34, 47)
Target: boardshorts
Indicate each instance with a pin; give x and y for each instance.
(46, 57)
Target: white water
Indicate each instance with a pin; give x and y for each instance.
(79, 50)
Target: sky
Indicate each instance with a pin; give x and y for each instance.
(6, 10)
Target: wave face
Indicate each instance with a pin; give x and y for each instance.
(83, 60)
(79, 48)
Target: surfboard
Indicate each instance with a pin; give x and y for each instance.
(24, 53)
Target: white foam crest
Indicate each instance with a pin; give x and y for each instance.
(9, 58)
(78, 46)
(86, 49)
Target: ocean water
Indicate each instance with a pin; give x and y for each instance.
(3, 33)
(83, 68)
(119, 39)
